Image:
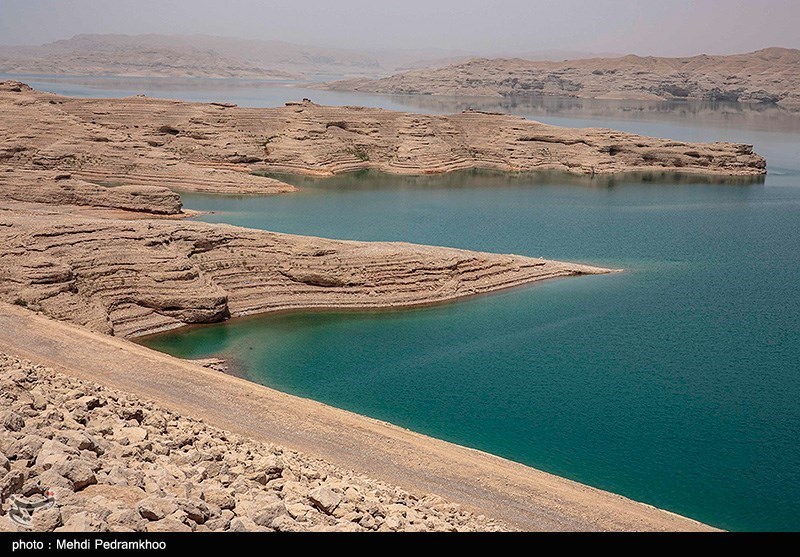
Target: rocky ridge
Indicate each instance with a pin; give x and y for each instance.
(112, 55)
(183, 56)
(771, 75)
(116, 463)
(217, 148)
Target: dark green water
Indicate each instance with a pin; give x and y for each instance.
(676, 383)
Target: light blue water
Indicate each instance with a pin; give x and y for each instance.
(676, 383)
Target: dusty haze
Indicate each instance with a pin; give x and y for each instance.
(519, 27)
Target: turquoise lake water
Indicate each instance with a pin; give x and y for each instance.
(676, 383)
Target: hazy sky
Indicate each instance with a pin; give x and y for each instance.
(661, 27)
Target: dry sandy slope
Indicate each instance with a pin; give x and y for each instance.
(769, 75)
(500, 489)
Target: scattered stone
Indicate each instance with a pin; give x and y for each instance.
(11, 483)
(46, 520)
(54, 452)
(78, 472)
(13, 421)
(325, 499)
(222, 498)
(77, 440)
(168, 525)
(156, 508)
(132, 434)
(83, 522)
(87, 402)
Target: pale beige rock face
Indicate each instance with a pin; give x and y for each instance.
(213, 148)
(136, 277)
(769, 75)
(129, 276)
(52, 188)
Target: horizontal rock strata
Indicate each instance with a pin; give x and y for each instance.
(63, 189)
(135, 277)
(771, 75)
(214, 148)
(113, 462)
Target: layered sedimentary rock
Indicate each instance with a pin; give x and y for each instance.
(129, 142)
(216, 148)
(771, 75)
(63, 189)
(133, 277)
(113, 462)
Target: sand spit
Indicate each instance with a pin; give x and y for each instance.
(771, 75)
(214, 148)
(515, 496)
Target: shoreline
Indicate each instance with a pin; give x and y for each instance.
(134, 277)
(120, 278)
(521, 496)
(360, 308)
(122, 448)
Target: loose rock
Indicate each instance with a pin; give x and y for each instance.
(130, 466)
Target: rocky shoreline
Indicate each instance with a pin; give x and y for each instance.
(516, 496)
(116, 463)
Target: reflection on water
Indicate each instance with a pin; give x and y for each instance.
(727, 114)
(364, 180)
(244, 92)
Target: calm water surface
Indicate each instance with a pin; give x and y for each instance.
(676, 383)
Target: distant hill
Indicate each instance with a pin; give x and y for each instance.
(183, 56)
(771, 75)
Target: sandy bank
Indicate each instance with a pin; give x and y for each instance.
(500, 489)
